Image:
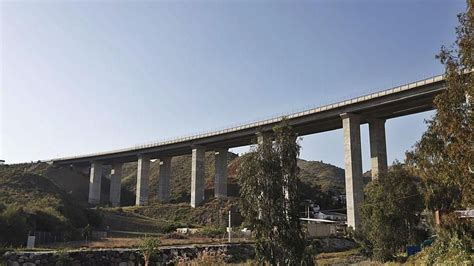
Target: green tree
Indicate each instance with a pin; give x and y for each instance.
(269, 198)
(390, 214)
(14, 226)
(444, 156)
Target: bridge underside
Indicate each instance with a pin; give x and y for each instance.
(373, 109)
(385, 107)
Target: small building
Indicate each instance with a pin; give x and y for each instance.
(333, 216)
(323, 228)
(186, 230)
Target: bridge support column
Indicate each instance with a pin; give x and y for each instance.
(95, 182)
(378, 147)
(143, 176)
(197, 176)
(220, 179)
(164, 179)
(353, 168)
(115, 184)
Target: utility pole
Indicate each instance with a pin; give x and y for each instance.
(229, 229)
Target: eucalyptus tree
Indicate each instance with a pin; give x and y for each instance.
(268, 177)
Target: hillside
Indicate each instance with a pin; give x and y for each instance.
(327, 176)
(314, 175)
(30, 201)
(54, 198)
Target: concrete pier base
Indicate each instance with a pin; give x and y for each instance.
(95, 183)
(143, 178)
(220, 178)
(115, 184)
(353, 168)
(197, 176)
(378, 147)
(164, 179)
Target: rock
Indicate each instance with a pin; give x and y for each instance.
(14, 263)
(131, 257)
(123, 263)
(37, 262)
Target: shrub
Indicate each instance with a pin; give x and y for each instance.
(62, 258)
(14, 226)
(148, 247)
(212, 232)
(211, 256)
(171, 227)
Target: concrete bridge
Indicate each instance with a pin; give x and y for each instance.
(373, 109)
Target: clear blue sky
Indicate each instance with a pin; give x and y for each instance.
(80, 77)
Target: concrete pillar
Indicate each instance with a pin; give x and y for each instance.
(115, 184)
(261, 137)
(143, 178)
(197, 176)
(378, 147)
(220, 179)
(353, 168)
(164, 179)
(94, 183)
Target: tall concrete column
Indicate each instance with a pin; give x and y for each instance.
(143, 178)
(94, 183)
(115, 184)
(353, 168)
(197, 176)
(164, 179)
(378, 147)
(220, 179)
(261, 137)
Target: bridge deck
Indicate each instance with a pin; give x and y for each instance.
(395, 102)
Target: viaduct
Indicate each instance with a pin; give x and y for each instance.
(373, 109)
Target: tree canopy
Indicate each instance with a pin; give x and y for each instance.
(390, 214)
(269, 198)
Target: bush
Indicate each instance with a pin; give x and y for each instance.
(212, 232)
(93, 217)
(148, 247)
(14, 226)
(62, 258)
(210, 256)
(171, 227)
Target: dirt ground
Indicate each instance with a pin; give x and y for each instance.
(133, 242)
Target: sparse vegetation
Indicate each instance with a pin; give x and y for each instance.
(32, 202)
(148, 247)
